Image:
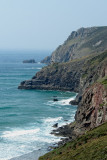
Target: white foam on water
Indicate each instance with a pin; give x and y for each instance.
(21, 141)
(49, 119)
(18, 142)
(66, 101)
(15, 133)
(29, 68)
(62, 102)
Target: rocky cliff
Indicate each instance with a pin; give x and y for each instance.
(83, 42)
(91, 112)
(86, 75)
(75, 75)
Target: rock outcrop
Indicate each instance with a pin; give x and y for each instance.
(83, 42)
(29, 61)
(92, 110)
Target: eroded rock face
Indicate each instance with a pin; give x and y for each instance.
(92, 110)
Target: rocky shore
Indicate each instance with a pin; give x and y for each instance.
(82, 73)
(91, 113)
(88, 76)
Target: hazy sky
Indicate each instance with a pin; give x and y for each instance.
(45, 24)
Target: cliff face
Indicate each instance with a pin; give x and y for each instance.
(83, 42)
(92, 110)
(86, 75)
(79, 76)
(74, 75)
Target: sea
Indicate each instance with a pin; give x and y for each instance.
(27, 116)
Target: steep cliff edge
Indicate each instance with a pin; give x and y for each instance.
(91, 111)
(75, 75)
(83, 42)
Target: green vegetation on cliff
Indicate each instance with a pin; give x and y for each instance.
(83, 42)
(91, 146)
(73, 75)
(103, 81)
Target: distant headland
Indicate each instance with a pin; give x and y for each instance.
(29, 61)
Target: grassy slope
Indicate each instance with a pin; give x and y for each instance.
(86, 45)
(103, 81)
(91, 146)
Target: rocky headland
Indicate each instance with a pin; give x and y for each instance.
(80, 43)
(80, 67)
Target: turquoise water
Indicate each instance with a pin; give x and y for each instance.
(27, 116)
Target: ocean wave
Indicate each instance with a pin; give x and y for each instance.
(62, 102)
(15, 133)
(3, 108)
(49, 119)
(29, 68)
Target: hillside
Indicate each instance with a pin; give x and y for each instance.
(83, 42)
(91, 146)
(75, 75)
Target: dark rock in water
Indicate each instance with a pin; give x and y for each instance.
(77, 100)
(29, 61)
(64, 131)
(55, 99)
(73, 102)
(55, 125)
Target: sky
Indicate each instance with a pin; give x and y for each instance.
(45, 24)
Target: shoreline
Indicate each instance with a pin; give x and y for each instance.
(34, 155)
